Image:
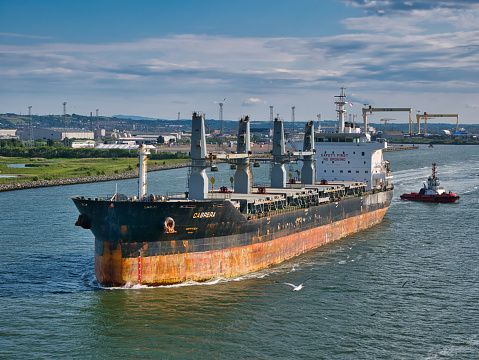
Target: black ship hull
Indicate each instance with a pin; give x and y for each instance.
(160, 243)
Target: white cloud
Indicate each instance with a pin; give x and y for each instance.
(388, 6)
(255, 61)
(380, 24)
(199, 69)
(253, 101)
(24, 36)
(417, 21)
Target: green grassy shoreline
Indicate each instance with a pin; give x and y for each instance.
(40, 169)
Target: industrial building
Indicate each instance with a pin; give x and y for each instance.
(8, 134)
(57, 134)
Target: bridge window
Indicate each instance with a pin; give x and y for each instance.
(322, 139)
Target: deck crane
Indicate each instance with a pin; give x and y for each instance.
(370, 109)
(431, 116)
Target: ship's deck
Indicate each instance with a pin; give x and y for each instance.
(297, 190)
(292, 194)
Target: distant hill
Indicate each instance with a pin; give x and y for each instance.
(133, 117)
(147, 124)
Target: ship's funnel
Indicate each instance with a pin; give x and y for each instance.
(198, 181)
(242, 179)
(308, 170)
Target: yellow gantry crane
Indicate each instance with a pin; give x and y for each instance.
(426, 116)
(370, 109)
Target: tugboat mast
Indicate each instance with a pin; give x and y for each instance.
(432, 181)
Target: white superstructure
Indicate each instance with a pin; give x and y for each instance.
(350, 156)
(432, 187)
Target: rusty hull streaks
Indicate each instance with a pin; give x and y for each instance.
(113, 270)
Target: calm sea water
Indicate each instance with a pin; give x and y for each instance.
(357, 306)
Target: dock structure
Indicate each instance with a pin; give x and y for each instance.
(400, 147)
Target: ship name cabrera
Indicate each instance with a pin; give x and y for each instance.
(202, 215)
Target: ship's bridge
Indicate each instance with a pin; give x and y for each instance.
(350, 157)
(340, 137)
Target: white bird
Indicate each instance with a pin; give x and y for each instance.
(295, 288)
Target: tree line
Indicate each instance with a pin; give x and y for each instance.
(9, 149)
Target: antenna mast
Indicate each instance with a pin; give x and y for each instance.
(98, 124)
(221, 117)
(292, 120)
(271, 119)
(30, 131)
(340, 104)
(64, 116)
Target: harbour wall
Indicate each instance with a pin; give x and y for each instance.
(400, 147)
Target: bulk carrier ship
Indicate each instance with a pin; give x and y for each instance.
(199, 235)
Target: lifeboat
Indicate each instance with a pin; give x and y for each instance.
(432, 192)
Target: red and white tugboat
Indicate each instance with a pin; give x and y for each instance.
(432, 192)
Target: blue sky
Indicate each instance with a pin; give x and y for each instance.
(158, 58)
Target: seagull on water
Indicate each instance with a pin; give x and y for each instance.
(295, 287)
